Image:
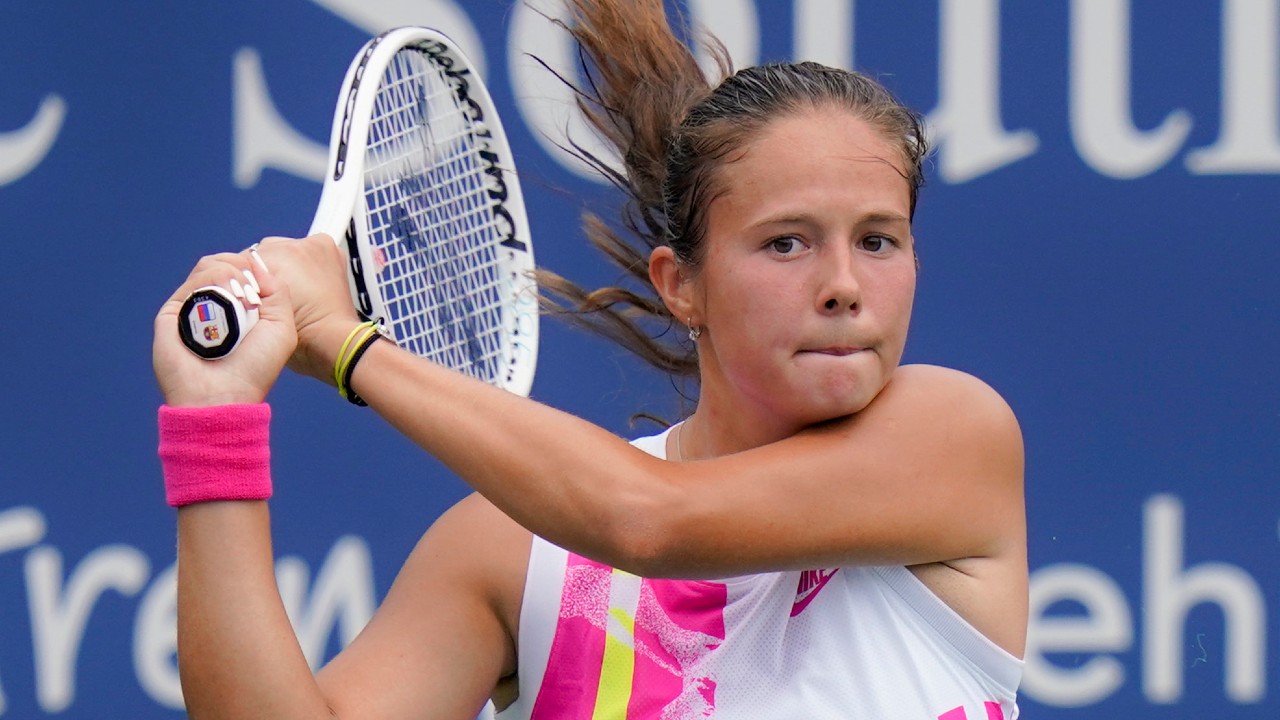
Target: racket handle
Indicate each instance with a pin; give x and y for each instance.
(214, 319)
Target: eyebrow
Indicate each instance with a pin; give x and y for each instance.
(873, 217)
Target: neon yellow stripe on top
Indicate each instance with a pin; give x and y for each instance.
(618, 665)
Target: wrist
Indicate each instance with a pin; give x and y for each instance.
(323, 344)
(204, 391)
(215, 454)
(186, 399)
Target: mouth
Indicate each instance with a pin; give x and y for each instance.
(835, 350)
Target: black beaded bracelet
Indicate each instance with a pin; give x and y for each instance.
(345, 386)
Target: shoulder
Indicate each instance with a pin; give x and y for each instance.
(936, 377)
(956, 394)
(950, 412)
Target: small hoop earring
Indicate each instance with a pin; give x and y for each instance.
(695, 332)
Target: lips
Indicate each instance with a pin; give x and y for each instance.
(838, 350)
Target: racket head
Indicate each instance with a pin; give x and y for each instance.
(423, 195)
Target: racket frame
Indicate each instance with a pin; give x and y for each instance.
(341, 211)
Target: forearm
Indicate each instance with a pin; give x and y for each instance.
(557, 475)
(238, 655)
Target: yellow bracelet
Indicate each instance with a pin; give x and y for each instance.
(340, 364)
(357, 352)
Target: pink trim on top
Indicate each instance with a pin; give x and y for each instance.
(572, 676)
(215, 453)
(677, 624)
(993, 712)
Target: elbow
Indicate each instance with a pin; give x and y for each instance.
(644, 538)
(641, 555)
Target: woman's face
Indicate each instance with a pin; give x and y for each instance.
(809, 273)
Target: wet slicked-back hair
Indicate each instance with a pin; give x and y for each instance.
(674, 130)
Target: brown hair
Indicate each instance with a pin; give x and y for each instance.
(647, 96)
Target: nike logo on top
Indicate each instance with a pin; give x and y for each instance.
(811, 581)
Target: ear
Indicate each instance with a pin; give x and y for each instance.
(670, 279)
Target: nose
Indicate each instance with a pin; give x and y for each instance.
(841, 291)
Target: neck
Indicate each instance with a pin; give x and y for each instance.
(712, 431)
(728, 420)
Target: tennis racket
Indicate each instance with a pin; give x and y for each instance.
(422, 196)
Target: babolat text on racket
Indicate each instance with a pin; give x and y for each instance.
(421, 193)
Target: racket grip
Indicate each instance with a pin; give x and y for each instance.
(213, 321)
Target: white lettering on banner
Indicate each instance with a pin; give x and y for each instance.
(1250, 138)
(61, 609)
(1106, 626)
(1169, 592)
(342, 595)
(262, 138)
(155, 640)
(824, 31)
(22, 150)
(342, 599)
(60, 613)
(735, 22)
(966, 124)
(1101, 121)
(447, 16)
(547, 105)
(20, 527)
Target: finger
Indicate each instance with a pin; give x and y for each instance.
(259, 280)
(209, 270)
(251, 289)
(226, 270)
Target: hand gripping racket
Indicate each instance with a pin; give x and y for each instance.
(422, 195)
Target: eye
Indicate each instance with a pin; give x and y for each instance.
(877, 243)
(786, 245)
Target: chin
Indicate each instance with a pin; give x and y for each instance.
(849, 399)
(830, 406)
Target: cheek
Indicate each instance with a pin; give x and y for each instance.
(755, 316)
(893, 299)
(753, 334)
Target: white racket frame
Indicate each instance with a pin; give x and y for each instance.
(341, 208)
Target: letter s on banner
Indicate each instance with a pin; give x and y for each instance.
(547, 104)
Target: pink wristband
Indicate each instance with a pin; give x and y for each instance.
(215, 453)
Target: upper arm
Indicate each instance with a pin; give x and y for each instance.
(444, 635)
(931, 471)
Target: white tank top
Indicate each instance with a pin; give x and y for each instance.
(840, 643)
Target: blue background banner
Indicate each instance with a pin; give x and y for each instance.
(1098, 242)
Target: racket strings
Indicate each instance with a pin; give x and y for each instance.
(431, 221)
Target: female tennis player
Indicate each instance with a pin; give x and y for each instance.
(827, 535)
